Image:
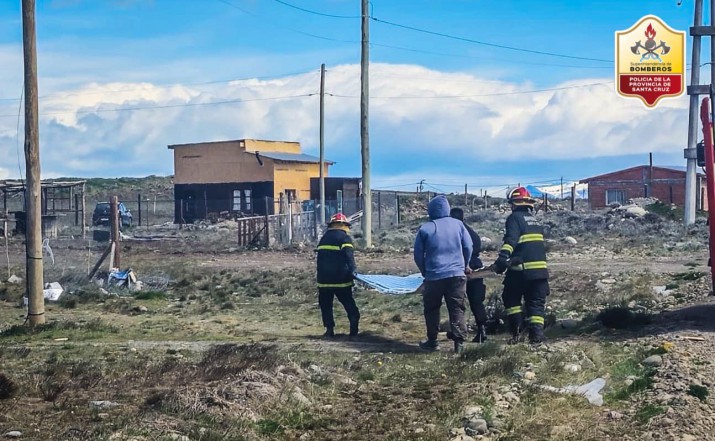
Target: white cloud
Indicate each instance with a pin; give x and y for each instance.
(80, 137)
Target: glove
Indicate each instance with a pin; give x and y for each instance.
(501, 264)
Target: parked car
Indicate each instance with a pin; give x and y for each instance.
(102, 213)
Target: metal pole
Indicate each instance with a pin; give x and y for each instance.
(139, 208)
(364, 132)
(322, 144)
(709, 176)
(690, 152)
(33, 198)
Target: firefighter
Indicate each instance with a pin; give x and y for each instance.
(523, 257)
(336, 269)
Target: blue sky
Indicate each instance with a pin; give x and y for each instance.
(432, 116)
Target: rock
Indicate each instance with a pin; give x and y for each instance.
(179, 437)
(529, 376)
(570, 240)
(560, 431)
(653, 361)
(102, 405)
(462, 438)
(13, 433)
(476, 427)
(304, 437)
(14, 280)
(419, 430)
(635, 211)
(627, 382)
(687, 437)
(568, 323)
(471, 412)
(457, 432)
(298, 396)
(511, 397)
(613, 415)
(572, 368)
(608, 281)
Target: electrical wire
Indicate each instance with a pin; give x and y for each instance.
(316, 12)
(167, 86)
(321, 37)
(484, 43)
(171, 106)
(524, 92)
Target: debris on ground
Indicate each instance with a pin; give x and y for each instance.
(589, 390)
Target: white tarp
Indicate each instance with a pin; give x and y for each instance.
(387, 284)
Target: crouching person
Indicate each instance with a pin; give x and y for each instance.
(442, 251)
(336, 269)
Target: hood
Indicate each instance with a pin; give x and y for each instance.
(438, 207)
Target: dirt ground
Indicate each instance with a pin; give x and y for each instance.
(226, 344)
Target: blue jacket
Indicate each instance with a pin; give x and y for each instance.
(442, 246)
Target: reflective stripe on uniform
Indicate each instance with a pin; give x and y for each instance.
(507, 247)
(335, 285)
(329, 247)
(513, 310)
(346, 245)
(539, 264)
(531, 238)
(536, 320)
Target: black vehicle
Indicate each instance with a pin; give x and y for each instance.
(102, 213)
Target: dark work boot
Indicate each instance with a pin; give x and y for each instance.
(329, 332)
(354, 329)
(429, 345)
(481, 336)
(536, 334)
(515, 327)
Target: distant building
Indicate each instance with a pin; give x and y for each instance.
(246, 176)
(663, 182)
(351, 191)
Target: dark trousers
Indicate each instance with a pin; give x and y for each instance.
(476, 293)
(453, 290)
(534, 293)
(345, 296)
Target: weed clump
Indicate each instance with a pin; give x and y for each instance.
(699, 392)
(8, 388)
(645, 413)
(620, 317)
(226, 360)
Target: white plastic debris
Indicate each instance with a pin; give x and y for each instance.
(14, 279)
(592, 390)
(52, 291)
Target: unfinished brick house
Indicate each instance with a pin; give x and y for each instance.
(663, 182)
(247, 176)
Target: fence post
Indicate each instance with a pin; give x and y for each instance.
(573, 198)
(139, 210)
(76, 209)
(485, 200)
(379, 212)
(265, 221)
(397, 203)
(546, 203)
(290, 223)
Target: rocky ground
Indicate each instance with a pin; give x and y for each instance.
(225, 343)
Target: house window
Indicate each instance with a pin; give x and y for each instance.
(247, 199)
(615, 196)
(236, 206)
(290, 194)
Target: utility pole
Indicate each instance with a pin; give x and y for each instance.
(562, 187)
(322, 145)
(33, 197)
(694, 91)
(364, 133)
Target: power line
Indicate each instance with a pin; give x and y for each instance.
(484, 43)
(315, 12)
(321, 37)
(475, 96)
(171, 106)
(164, 86)
(534, 63)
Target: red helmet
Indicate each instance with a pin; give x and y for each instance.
(520, 196)
(339, 218)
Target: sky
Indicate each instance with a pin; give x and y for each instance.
(486, 93)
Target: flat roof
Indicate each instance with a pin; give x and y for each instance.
(190, 144)
(290, 157)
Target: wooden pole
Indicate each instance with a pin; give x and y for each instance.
(84, 217)
(379, 211)
(466, 199)
(33, 198)
(115, 222)
(573, 198)
(397, 203)
(139, 209)
(322, 144)
(364, 131)
(690, 151)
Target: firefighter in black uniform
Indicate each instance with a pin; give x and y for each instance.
(336, 269)
(523, 257)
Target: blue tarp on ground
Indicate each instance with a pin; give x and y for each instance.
(536, 193)
(392, 284)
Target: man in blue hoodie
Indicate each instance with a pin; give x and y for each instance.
(442, 252)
